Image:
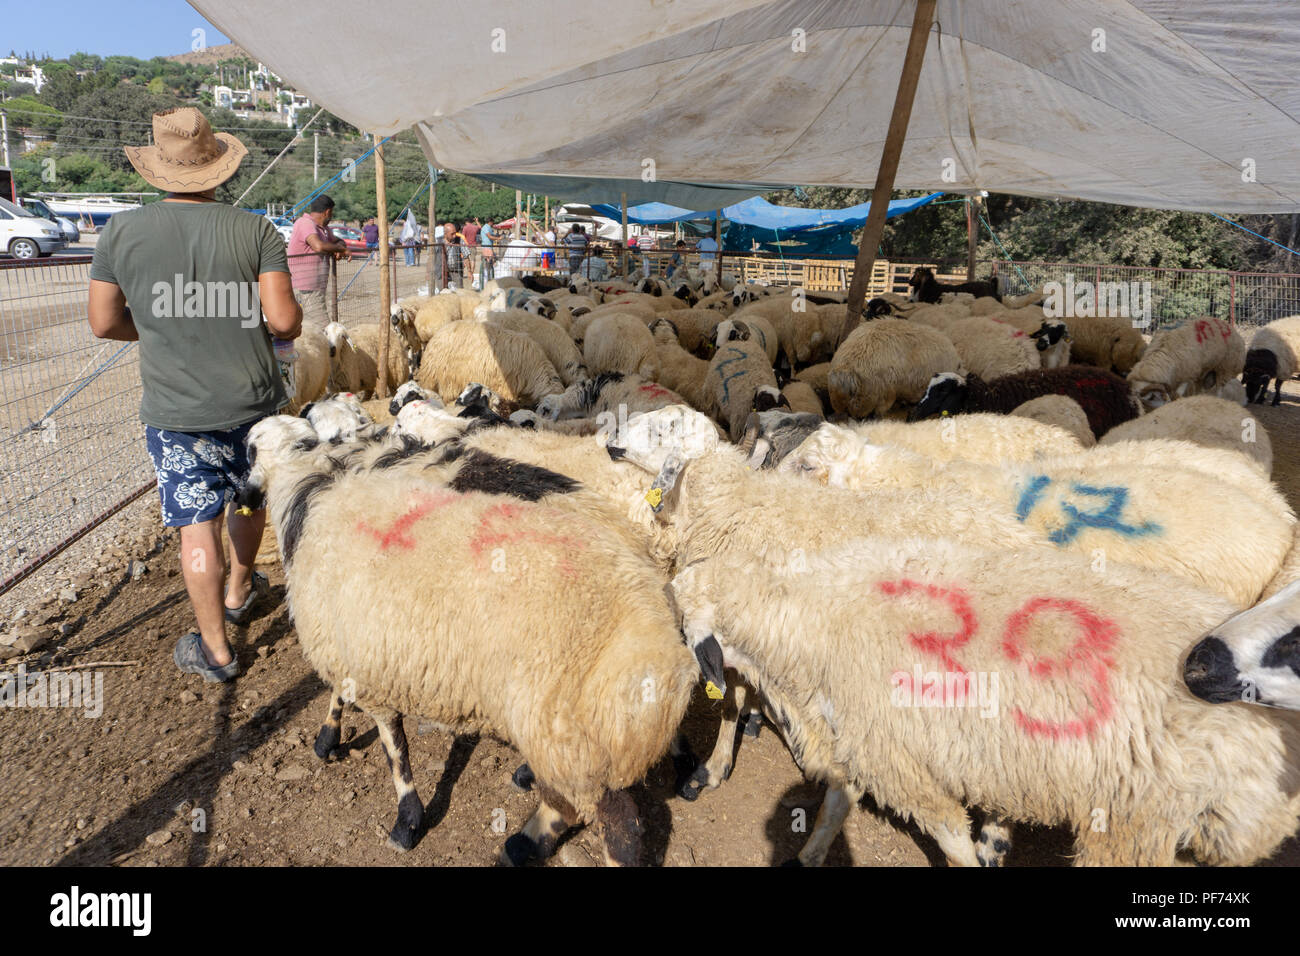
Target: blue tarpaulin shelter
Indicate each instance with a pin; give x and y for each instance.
(790, 230)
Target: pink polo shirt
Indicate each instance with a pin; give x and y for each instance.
(308, 270)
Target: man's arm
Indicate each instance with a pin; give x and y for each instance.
(316, 244)
(109, 317)
(282, 311)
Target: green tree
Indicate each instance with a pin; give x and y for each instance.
(121, 116)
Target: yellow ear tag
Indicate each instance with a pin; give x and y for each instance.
(944, 413)
(244, 510)
(712, 692)
(655, 497)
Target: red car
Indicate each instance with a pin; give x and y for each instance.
(351, 238)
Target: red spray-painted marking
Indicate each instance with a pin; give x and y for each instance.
(490, 535)
(655, 391)
(1089, 657)
(398, 533)
(931, 642)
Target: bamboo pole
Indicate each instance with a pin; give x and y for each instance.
(385, 292)
(874, 227)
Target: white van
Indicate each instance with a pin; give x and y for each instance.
(27, 236)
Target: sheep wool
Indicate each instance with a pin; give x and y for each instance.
(1274, 353)
(855, 655)
(1205, 420)
(736, 372)
(992, 349)
(1200, 354)
(884, 362)
(552, 340)
(1064, 413)
(620, 343)
(509, 363)
(1108, 342)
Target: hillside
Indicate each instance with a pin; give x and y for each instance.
(211, 56)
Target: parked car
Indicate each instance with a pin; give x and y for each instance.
(69, 228)
(25, 235)
(351, 238)
(283, 225)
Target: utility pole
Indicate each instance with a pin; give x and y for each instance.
(4, 135)
(315, 157)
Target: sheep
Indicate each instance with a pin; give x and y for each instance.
(992, 349)
(589, 686)
(404, 351)
(509, 363)
(1106, 341)
(1199, 355)
(926, 288)
(1273, 354)
(849, 649)
(1253, 657)
(1131, 500)
(550, 338)
(338, 418)
(1104, 397)
(885, 362)
(818, 376)
(755, 327)
(312, 369)
(607, 393)
(430, 424)
(345, 361)
(1063, 412)
(679, 370)
(800, 397)
(620, 343)
(429, 313)
(1205, 420)
(978, 437)
(736, 372)
(1232, 391)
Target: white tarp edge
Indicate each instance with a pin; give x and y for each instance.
(1180, 104)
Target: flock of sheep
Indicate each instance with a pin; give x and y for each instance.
(859, 537)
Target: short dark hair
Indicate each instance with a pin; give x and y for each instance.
(681, 242)
(321, 203)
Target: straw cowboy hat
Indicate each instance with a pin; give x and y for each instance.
(187, 156)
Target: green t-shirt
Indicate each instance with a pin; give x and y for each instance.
(189, 273)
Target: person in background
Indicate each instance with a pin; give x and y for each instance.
(439, 259)
(594, 267)
(370, 232)
(675, 262)
(469, 232)
(455, 258)
(576, 243)
(645, 245)
(708, 250)
(487, 269)
(310, 248)
(548, 256)
(206, 378)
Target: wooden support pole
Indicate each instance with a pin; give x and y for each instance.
(432, 248)
(874, 227)
(623, 214)
(519, 202)
(385, 292)
(333, 285)
(972, 235)
(717, 241)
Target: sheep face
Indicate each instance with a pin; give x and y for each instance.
(729, 330)
(409, 392)
(771, 436)
(1048, 334)
(273, 443)
(580, 285)
(428, 424)
(827, 455)
(336, 334)
(921, 277)
(945, 395)
(1151, 394)
(1252, 657)
(662, 442)
(768, 398)
(664, 331)
(540, 305)
(876, 308)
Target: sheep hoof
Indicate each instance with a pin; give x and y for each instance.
(523, 778)
(695, 784)
(326, 741)
(407, 828)
(519, 849)
(684, 764)
(795, 862)
(753, 725)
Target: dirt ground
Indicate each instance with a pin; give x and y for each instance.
(176, 772)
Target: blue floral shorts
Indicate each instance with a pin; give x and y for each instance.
(199, 473)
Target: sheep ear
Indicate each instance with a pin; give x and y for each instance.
(305, 409)
(665, 481)
(708, 653)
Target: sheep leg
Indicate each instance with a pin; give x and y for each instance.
(543, 830)
(717, 768)
(1105, 841)
(331, 731)
(1277, 395)
(753, 717)
(410, 810)
(830, 818)
(620, 826)
(995, 841)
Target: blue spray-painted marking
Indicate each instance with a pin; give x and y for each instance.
(1108, 518)
(726, 387)
(1031, 495)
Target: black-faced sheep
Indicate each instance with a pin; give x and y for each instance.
(1253, 657)
(926, 288)
(1274, 354)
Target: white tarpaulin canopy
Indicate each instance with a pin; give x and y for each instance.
(1159, 103)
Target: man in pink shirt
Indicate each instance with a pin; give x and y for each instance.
(308, 264)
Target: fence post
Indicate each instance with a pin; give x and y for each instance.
(1096, 293)
(1232, 299)
(334, 289)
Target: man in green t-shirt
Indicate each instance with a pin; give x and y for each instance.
(190, 279)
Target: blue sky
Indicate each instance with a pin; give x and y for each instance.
(139, 28)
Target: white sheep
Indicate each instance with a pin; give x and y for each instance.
(1064, 413)
(937, 676)
(992, 349)
(607, 393)
(620, 343)
(736, 372)
(1132, 501)
(550, 337)
(1274, 354)
(679, 370)
(885, 362)
(1199, 355)
(755, 327)
(1205, 420)
(404, 350)
(1253, 657)
(590, 688)
(509, 363)
(1109, 342)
